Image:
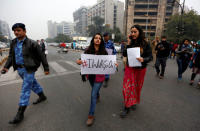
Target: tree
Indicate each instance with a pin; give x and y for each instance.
(97, 27)
(49, 40)
(191, 30)
(118, 35)
(62, 38)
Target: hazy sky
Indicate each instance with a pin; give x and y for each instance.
(36, 13)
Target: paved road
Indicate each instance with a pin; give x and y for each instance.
(166, 105)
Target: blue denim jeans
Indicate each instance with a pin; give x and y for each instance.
(182, 66)
(29, 83)
(94, 95)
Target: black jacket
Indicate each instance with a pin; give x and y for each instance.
(43, 47)
(32, 55)
(166, 49)
(147, 54)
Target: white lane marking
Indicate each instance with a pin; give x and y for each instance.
(39, 72)
(39, 77)
(58, 68)
(73, 64)
(10, 75)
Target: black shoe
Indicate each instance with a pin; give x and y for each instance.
(124, 112)
(41, 98)
(133, 107)
(19, 116)
(161, 77)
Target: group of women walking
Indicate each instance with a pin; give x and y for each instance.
(133, 76)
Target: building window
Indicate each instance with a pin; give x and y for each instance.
(168, 14)
(145, 13)
(146, 0)
(141, 20)
(145, 6)
(169, 7)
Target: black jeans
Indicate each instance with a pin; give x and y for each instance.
(162, 62)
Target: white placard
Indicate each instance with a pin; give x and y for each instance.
(134, 53)
(109, 51)
(98, 64)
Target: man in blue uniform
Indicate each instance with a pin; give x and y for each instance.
(110, 48)
(25, 56)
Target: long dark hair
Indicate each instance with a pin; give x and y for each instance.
(140, 41)
(91, 49)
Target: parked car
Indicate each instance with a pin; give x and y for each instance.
(53, 44)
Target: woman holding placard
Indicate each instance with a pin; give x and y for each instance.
(134, 75)
(96, 48)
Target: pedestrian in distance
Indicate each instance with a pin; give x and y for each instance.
(184, 53)
(25, 56)
(153, 46)
(110, 48)
(43, 46)
(96, 48)
(123, 45)
(175, 46)
(170, 48)
(134, 76)
(163, 49)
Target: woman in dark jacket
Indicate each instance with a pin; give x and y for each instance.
(96, 48)
(195, 66)
(134, 76)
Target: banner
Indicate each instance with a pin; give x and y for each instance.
(133, 53)
(98, 64)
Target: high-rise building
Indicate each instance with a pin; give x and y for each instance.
(80, 21)
(54, 28)
(112, 11)
(4, 29)
(68, 28)
(151, 15)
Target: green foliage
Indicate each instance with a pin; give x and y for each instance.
(99, 27)
(60, 38)
(191, 22)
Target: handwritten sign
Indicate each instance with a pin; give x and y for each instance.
(98, 64)
(134, 53)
